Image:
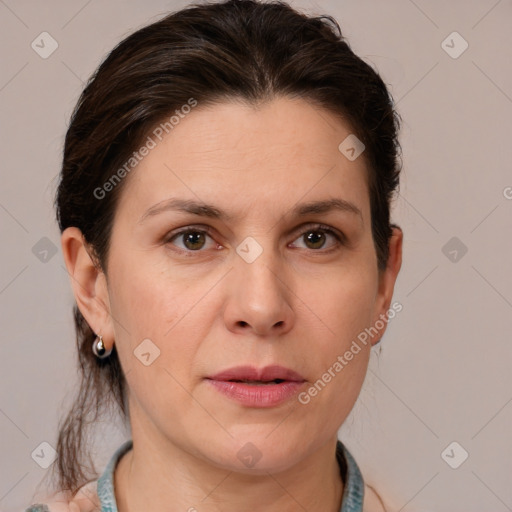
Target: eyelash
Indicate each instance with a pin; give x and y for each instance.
(338, 235)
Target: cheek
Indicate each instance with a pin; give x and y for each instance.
(353, 314)
(340, 360)
(343, 304)
(148, 305)
(157, 317)
(143, 301)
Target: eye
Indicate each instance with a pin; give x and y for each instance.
(193, 239)
(315, 237)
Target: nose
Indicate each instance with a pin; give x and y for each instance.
(259, 297)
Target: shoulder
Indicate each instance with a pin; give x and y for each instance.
(85, 500)
(372, 500)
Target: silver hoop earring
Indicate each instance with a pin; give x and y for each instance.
(98, 348)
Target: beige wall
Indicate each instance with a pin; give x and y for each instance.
(444, 373)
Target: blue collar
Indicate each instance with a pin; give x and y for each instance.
(353, 492)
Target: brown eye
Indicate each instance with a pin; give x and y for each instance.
(191, 239)
(316, 239)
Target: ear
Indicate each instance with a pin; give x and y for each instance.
(89, 284)
(387, 279)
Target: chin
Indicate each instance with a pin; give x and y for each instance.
(258, 453)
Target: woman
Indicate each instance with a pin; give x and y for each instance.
(224, 206)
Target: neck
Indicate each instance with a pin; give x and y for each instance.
(149, 479)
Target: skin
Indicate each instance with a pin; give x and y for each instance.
(300, 304)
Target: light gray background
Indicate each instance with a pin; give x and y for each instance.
(443, 374)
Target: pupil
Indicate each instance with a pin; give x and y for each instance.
(192, 238)
(315, 238)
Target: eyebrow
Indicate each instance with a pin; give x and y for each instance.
(208, 210)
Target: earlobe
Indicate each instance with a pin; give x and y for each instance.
(88, 283)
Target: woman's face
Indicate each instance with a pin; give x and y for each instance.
(254, 283)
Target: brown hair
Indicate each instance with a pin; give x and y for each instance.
(235, 49)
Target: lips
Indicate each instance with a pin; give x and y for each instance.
(248, 374)
(257, 388)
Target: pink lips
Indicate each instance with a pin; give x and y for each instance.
(252, 387)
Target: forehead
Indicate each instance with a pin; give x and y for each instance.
(279, 152)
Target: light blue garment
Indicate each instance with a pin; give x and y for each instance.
(353, 492)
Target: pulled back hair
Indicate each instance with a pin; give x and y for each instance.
(240, 50)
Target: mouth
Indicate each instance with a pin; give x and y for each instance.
(274, 374)
(253, 387)
(258, 382)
